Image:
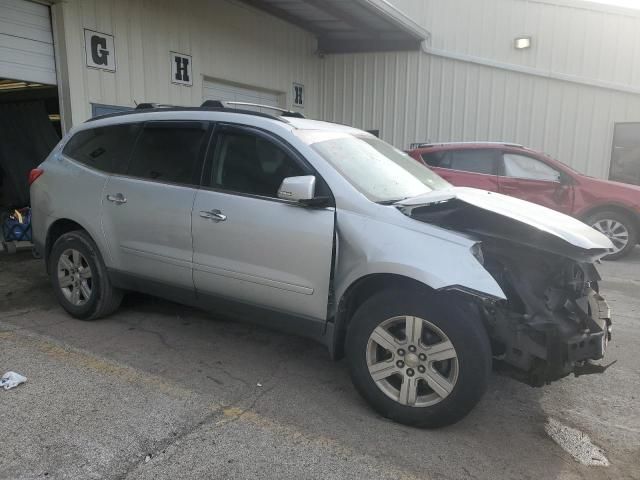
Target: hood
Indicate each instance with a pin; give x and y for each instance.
(558, 225)
(612, 186)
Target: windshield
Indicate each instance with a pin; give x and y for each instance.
(381, 172)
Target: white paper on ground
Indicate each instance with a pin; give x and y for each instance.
(11, 379)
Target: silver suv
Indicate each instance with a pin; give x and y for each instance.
(327, 232)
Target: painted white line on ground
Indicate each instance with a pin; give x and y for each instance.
(576, 443)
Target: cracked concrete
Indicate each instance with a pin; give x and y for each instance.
(163, 391)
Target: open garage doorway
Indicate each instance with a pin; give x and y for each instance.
(29, 105)
(29, 129)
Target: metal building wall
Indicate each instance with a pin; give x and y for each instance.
(577, 39)
(487, 92)
(227, 40)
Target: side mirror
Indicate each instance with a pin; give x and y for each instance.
(302, 190)
(299, 189)
(565, 180)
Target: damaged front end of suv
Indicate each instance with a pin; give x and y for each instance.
(553, 322)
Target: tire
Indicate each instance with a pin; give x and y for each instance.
(459, 322)
(606, 221)
(96, 297)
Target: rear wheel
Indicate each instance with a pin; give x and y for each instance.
(79, 277)
(619, 228)
(419, 358)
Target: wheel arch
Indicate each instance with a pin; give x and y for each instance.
(58, 228)
(356, 293)
(612, 207)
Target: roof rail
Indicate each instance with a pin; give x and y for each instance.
(148, 105)
(209, 106)
(220, 104)
(439, 144)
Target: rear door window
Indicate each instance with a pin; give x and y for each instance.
(170, 152)
(104, 148)
(483, 161)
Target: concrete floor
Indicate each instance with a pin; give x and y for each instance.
(162, 391)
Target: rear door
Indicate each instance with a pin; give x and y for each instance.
(531, 179)
(146, 213)
(249, 245)
(476, 168)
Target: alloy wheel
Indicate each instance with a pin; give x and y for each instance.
(615, 230)
(75, 277)
(412, 361)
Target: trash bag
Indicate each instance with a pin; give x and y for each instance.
(11, 379)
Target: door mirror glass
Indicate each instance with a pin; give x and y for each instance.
(299, 189)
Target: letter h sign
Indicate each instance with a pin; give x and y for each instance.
(181, 69)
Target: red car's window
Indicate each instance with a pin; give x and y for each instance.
(469, 160)
(522, 166)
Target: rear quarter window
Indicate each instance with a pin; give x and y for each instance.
(104, 148)
(436, 159)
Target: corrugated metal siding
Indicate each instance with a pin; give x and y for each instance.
(418, 97)
(227, 40)
(26, 42)
(570, 37)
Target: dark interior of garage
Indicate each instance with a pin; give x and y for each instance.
(29, 129)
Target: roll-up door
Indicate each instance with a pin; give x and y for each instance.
(26, 42)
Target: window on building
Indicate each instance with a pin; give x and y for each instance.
(247, 163)
(169, 152)
(625, 156)
(522, 166)
(105, 148)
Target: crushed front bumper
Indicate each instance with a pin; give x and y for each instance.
(541, 349)
(592, 344)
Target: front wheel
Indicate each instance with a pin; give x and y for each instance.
(419, 358)
(619, 228)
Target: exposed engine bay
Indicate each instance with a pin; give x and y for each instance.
(554, 321)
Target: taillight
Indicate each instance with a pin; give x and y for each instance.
(34, 175)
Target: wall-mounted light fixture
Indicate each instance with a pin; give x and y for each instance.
(522, 43)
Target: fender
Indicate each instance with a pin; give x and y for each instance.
(428, 254)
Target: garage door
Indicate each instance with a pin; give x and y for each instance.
(218, 90)
(26, 42)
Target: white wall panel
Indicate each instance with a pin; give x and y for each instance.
(26, 42)
(418, 97)
(570, 37)
(227, 40)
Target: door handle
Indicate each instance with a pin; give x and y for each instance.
(118, 199)
(214, 215)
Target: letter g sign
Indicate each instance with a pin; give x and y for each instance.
(100, 50)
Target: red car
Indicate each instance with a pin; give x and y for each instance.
(610, 207)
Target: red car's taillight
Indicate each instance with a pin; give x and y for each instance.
(34, 175)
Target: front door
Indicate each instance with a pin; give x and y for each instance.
(531, 179)
(146, 213)
(252, 247)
